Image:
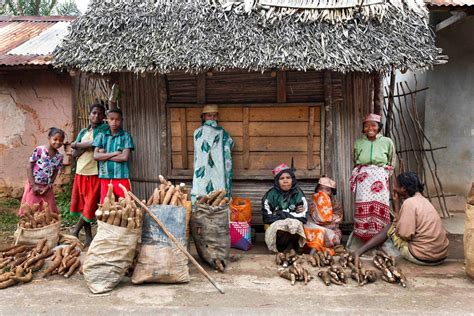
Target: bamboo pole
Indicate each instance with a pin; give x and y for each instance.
(434, 174)
(176, 241)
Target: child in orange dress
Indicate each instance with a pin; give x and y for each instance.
(322, 228)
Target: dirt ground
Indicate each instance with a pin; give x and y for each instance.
(252, 287)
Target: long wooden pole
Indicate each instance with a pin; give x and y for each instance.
(176, 241)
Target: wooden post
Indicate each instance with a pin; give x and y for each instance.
(201, 88)
(281, 86)
(184, 137)
(246, 138)
(329, 135)
(311, 139)
(391, 99)
(165, 137)
(378, 93)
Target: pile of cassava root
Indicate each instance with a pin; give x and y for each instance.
(123, 213)
(34, 218)
(18, 263)
(216, 198)
(390, 273)
(168, 194)
(294, 269)
(65, 261)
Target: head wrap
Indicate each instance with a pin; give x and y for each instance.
(327, 182)
(371, 117)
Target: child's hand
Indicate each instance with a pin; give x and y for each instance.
(36, 189)
(101, 150)
(43, 191)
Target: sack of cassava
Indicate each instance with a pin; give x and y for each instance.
(210, 232)
(31, 236)
(36, 223)
(469, 240)
(160, 260)
(109, 257)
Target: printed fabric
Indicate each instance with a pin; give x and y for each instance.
(322, 228)
(212, 160)
(289, 225)
(371, 186)
(45, 165)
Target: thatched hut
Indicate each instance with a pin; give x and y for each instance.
(293, 79)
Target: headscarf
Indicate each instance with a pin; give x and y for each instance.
(295, 189)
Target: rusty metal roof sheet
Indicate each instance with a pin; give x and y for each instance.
(45, 42)
(30, 40)
(450, 2)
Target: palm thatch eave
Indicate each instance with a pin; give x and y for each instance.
(127, 35)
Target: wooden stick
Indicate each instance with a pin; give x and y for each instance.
(176, 241)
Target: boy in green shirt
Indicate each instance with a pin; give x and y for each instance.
(112, 150)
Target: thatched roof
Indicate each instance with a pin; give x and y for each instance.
(137, 36)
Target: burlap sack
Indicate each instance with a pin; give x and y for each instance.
(160, 260)
(469, 240)
(31, 236)
(210, 231)
(109, 257)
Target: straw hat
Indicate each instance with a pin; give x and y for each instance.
(210, 108)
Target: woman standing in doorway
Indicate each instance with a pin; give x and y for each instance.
(374, 159)
(212, 156)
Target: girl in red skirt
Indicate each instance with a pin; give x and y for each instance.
(42, 170)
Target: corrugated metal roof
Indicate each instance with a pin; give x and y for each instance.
(450, 2)
(45, 42)
(30, 40)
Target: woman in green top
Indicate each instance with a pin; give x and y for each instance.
(284, 210)
(374, 158)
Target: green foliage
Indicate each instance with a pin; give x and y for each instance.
(9, 203)
(63, 200)
(67, 8)
(8, 221)
(39, 7)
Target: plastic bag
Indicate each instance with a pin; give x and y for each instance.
(31, 236)
(109, 257)
(241, 210)
(160, 260)
(240, 235)
(210, 231)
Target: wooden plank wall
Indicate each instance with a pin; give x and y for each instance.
(143, 119)
(347, 115)
(264, 137)
(143, 101)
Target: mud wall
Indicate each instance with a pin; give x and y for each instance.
(31, 101)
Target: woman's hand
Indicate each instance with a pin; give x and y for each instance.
(300, 209)
(395, 195)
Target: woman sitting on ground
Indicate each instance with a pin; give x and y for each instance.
(322, 229)
(284, 210)
(417, 230)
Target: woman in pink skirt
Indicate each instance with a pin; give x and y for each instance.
(43, 168)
